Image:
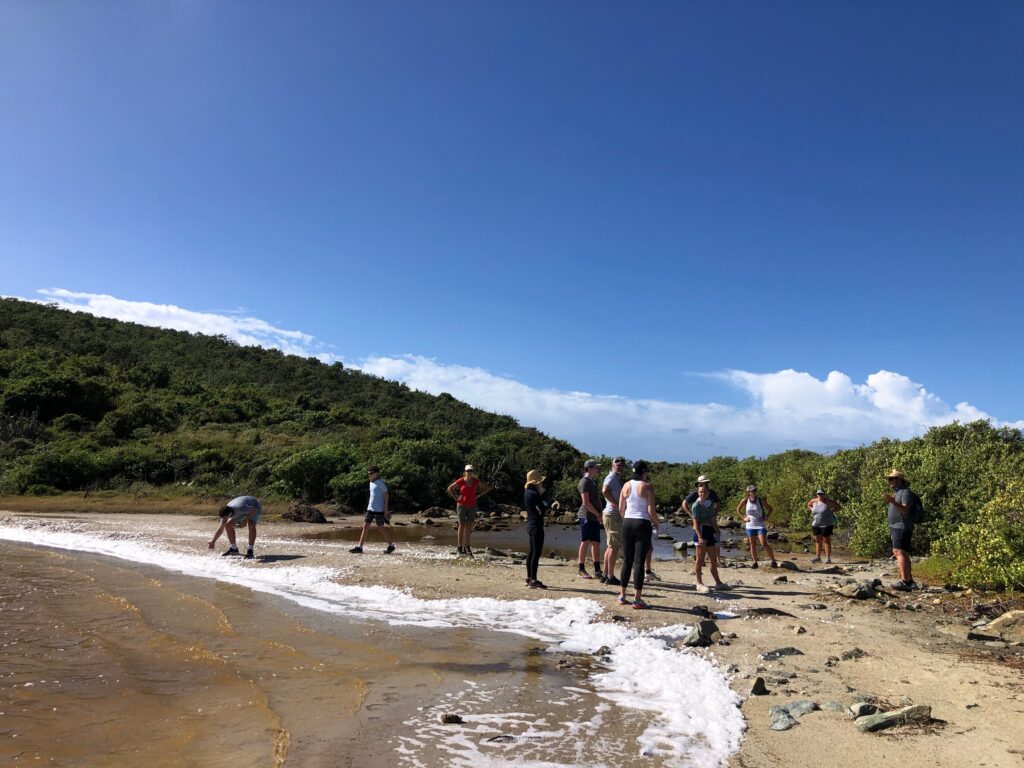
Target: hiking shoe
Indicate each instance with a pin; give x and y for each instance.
(914, 585)
(231, 552)
(538, 585)
(652, 576)
(754, 565)
(602, 578)
(815, 559)
(828, 560)
(389, 549)
(621, 600)
(356, 550)
(248, 554)
(703, 588)
(584, 574)
(774, 564)
(901, 586)
(468, 552)
(640, 605)
(611, 581)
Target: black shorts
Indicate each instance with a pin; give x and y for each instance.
(376, 517)
(901, 538)
(709, 534)
(822, 530)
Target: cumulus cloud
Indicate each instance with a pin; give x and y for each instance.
(786, 409)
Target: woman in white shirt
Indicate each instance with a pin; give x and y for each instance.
(639, 518)
(754, 510)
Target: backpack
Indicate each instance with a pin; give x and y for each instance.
(916, 509)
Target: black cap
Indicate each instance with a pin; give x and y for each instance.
(639, 467)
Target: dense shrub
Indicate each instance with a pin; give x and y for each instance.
(989, 550)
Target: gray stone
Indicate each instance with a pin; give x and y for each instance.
(704, 634)
(853, 653)
(450, 718)
(882, 720)
(788, 565)
(778, 653)
(1009, 626)
(781, 719)
(862, 709)
(801, 708)
(799, 630)
(759, 689)
(780, 580)
(834, 706)
(862, 591)
(814, 606)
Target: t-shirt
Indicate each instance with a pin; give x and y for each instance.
(703, 512)
(244, 505)
(467, 491)
(533, 503)
(821, 515)
(693, 497)
(614, 483)
(377, 491)
(588, 486)
(896, 518)
(756, 513)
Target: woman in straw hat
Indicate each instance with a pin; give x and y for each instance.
(533, 503)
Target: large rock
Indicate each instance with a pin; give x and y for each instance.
(778, 653)
(435, 512)
(759, 689)
(1009, 626)
(862, 709)
(304, 513)
(788, 565)
(781, 719)
(905, 716)
(861, 591)
(704, 634)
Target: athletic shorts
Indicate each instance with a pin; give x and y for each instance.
(245, 515)
(590, 530)
(751, 532)
(466, 514)
(710, 535)
(901, 538)
(613, 529)
(376, 517)
(822, 530)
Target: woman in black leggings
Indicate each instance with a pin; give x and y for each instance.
(638, 520)
(533, 503)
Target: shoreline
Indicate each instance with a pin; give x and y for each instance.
(917, 655)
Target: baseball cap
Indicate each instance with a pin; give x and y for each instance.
(819, 492)
(469, 468)
(589, 463)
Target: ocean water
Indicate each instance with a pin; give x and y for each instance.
(283, 663)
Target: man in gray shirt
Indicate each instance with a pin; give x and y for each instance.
(241, 510)
(901, 526)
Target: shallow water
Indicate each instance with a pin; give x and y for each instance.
(112, 661)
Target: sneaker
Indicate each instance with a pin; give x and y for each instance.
(538, 585)
(914, 585)
(611, 581)
(584, 574)
(468, 552)
(703, 588)
(461, 550)
(356, 550)
(815, 559)
(774, 564)
(754, 565)
(602, 578)
(901, 586)
(231, 552)
(640, 605)
(652, 576)
(248, 554)
(621, 600)
(828, 560)
(389, 549)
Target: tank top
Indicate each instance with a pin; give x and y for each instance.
(636, 505)
(821, 515)
(756, 514)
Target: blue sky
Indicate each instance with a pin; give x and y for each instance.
(615, 205)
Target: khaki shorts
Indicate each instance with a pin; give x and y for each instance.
(466, 514)
(613, 529)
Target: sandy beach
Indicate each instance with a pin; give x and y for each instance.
(283, 681)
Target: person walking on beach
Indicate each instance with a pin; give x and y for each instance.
(466, 490)
(590, 518)
(706, 534)
(754, 510)
(377, 513)
(639, 518)
(533, 503)
(241, 509)
(901, 526)
(823, 522)
(612, 519)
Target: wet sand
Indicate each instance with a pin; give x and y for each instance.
(106, 662)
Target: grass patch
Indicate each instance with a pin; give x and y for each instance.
(936, 568)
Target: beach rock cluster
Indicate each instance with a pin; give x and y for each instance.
(303, 513)
(866, 716)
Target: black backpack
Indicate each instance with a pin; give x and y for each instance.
(916, 513)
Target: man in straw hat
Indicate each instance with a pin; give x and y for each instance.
(901, 526)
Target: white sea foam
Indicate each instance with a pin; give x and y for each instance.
(695, 722)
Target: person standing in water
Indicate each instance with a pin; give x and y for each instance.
(706, 535)
(466, 490)
(639, 518)
(823, 522)
(533, 503)
(754, 510)
(376, 513)
(241, 509)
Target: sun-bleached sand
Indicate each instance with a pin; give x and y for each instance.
(905, 656)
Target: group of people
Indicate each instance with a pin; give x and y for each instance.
(628, 514)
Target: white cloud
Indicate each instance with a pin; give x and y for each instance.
(787, 409)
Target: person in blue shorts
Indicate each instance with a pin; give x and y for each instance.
(376, 513)
(706, 535)
(241, 510)
(590, 518)
(754, 510)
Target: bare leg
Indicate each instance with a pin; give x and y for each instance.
(817, 547)
(698, 561)
(752, 541)
(229, 529)
(594, 549)
(610, 555)
(828, 547)
(903, 563)
(252, 533)
(583, 554)
(713, 557)
(461, 535)
(386, 532)
(764, 544)
(362, 535)
(469, 531)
